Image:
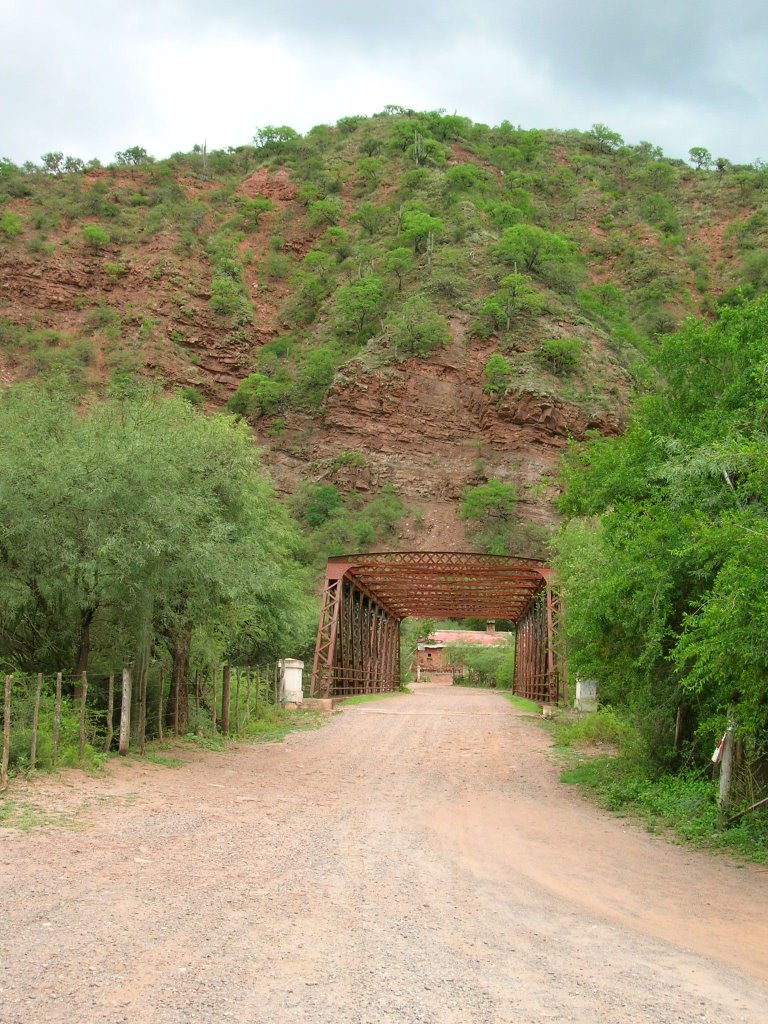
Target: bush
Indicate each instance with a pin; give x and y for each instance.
(95, 237)
(10, 224)
(497, 374)
(258, 395)
(416, 329)
(560, 355)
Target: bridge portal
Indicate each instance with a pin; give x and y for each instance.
(367, 596)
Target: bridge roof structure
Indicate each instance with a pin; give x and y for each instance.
(444, 584)
(366, 596)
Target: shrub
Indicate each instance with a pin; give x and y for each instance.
(415, 329)
(10, 224)
(95, 237)
(560, 355)
(258, 395)
(497, 374)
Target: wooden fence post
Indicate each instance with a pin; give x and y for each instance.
(6, 733)
(125, 714)
(56, 721)
(143, 683)
(110, 713)
(213, 702)
(160, 705)
(84, 685)
(726, 774)
(248, 694)
(258, 688)
(277, 683)
(197, 697)
(35, 718)
(226, 675)
(176, 698)
(237, 702)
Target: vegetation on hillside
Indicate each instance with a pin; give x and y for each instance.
(665, 547)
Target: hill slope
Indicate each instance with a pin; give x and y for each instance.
(409, 302)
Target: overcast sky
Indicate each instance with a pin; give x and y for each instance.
(89, 77)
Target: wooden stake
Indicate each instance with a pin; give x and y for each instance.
(110, 713)
(35, 717)
(176, 706)
(213, 703)
(679, 723)
(6, 733)
(143, 683)
(258, 688)
(84, 685)
(125, 714)
(248, 694)
(197, 694)
(726, 773)
(237, 702)
(160, 705)
(56, 721)
(225, 681)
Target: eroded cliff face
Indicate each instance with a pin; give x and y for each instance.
(428, 428)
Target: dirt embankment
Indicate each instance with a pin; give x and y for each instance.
(416, 860)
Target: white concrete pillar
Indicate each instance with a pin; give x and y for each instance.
(586, 695)
(291, 691)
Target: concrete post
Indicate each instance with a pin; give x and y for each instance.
(291, 691)
(586, 695)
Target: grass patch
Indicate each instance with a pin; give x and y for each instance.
(279, 724)
(365, 698)
(683, 806)
(25, 816)
(600, 727)
(162, 759)
(521, 703)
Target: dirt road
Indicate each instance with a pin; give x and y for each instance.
(415, 860)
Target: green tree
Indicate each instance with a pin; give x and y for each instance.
(134, 156)
(700, 157)
(532, 248)
(251, 210)
(417, 227)
(603, 139)
(128, 509)
(95, 237)
(491, 514)
(415, 329)
(664, 548)
(358, 304)
(398, 261)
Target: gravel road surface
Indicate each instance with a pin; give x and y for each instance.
(415, 860)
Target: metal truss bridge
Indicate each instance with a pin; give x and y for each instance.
(366, 597)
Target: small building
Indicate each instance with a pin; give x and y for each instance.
(430, 653)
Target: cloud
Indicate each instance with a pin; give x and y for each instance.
(92, 77)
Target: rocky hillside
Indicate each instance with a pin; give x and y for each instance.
(408, 304)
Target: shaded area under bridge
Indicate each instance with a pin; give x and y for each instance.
(367, 596)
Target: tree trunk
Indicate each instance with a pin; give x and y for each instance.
(225, 686)
(83, 646)
(178, 641)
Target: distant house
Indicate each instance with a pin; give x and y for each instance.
(430, 653)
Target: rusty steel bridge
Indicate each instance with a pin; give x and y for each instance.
(366, 597)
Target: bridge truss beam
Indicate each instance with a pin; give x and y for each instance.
(366, 596)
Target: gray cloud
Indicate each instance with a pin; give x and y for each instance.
(92, 76)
